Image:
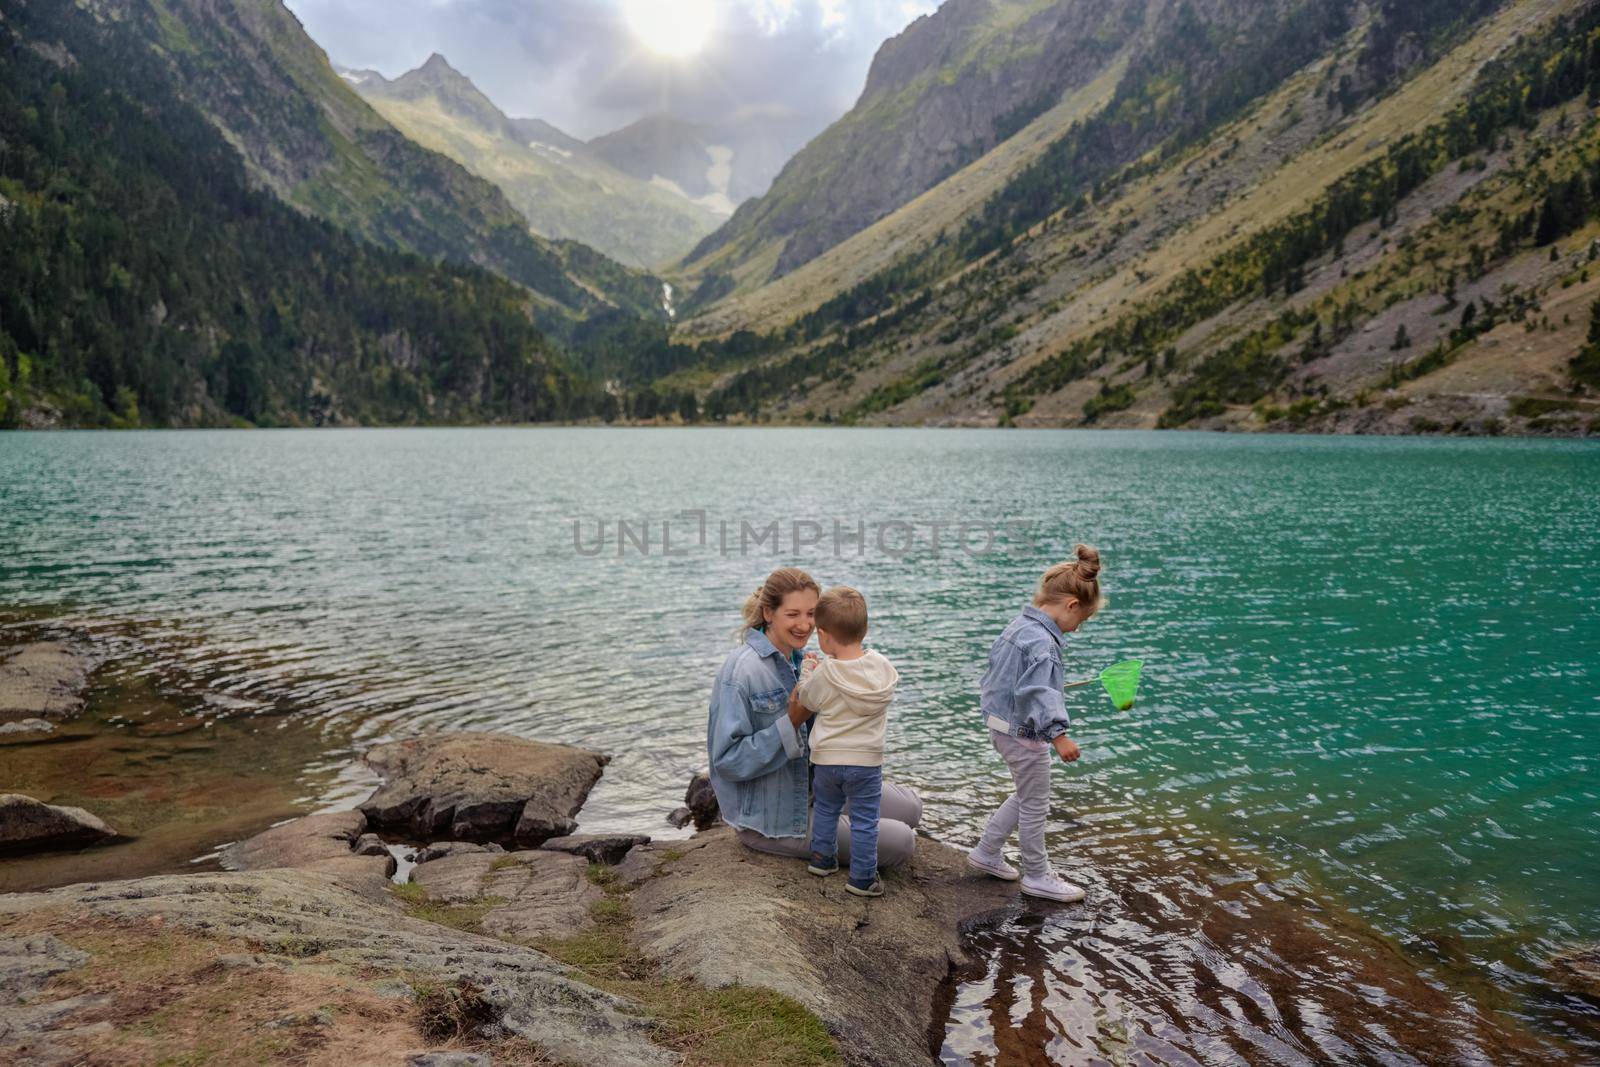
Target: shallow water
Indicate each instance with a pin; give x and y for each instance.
(1370, 672)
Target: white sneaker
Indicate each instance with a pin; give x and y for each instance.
(1051, 886)
(995, 865)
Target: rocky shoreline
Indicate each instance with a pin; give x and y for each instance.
(456, 917)
(507, 939)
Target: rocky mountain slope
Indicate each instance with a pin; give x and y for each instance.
(563, 190)
(942, 93)
(1351, 217)
(304, 134)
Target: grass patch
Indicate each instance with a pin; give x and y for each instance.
(739, 1026)
(467, 917)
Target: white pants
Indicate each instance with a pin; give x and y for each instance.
(1025, 810)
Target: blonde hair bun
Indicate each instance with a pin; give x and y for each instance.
(1078, 578)
(1088, 563)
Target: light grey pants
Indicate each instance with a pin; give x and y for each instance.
(898, 815)
(1026, 810)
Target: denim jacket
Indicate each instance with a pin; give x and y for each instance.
(759, 766)
(1021, 690)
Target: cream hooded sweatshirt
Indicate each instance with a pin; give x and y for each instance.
(851, 698)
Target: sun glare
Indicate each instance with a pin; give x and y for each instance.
(677, 28)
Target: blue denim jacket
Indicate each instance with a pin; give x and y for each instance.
(1021, 690)
(759, 766)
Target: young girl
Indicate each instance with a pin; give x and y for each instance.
(1023, 707)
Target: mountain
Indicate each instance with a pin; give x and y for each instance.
(944, 92)
(304, 134)
(154, 275)
(534, 132)
(558, 187)
(719, 164)
(1312, 214)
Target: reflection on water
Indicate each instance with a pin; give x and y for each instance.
(1370, 671)
(175, 767)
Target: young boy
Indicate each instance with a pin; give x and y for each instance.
(850, 692)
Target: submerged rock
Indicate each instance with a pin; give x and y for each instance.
(43, 680)
(1581, 968)
(597, 848)
(309, 920)
(722, 915)
(535, 893)
(481, 787)
(29, 825)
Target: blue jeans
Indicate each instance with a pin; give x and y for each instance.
(831, 786)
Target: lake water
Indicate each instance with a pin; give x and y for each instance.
(1354, 812)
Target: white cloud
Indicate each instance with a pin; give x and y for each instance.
(577, 63)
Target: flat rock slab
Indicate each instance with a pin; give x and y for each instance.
(315, 842)
(309, 917)
(542, 894)
(29, 825)
(44, 680)
(481, 787)
(597, 848)
(722, 915)
(30, 1022)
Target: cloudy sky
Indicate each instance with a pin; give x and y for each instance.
(591, 66)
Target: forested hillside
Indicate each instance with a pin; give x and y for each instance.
(302, 132)
(145, 278)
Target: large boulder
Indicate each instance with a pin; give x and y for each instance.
(306, 927)
(534, 894)
(29, 825)
(44, 680)
(481, 787)
(721, 914)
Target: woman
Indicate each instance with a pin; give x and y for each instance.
(756, 735)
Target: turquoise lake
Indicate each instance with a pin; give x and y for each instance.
(1372, 673)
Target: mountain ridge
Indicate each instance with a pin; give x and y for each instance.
(563, 193)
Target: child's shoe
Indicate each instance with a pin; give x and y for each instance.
(822, 866)
(1051, 886)
(874, 889)
(993, 865)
